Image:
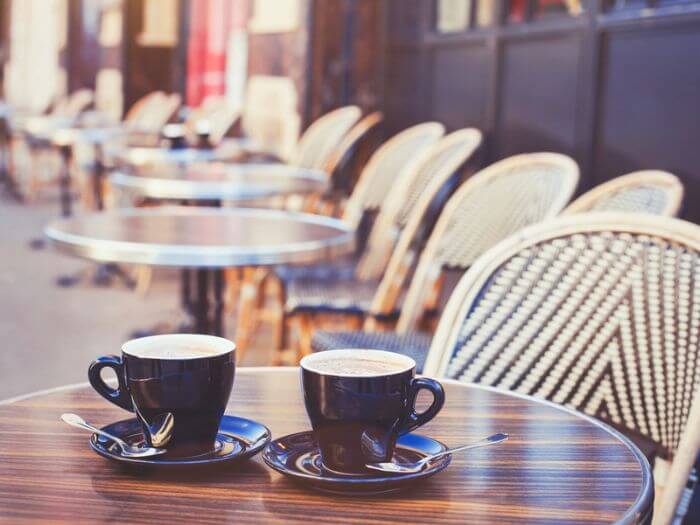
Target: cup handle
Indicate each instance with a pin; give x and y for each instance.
(120, 395)
(415, 420)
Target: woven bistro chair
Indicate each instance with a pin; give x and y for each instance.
(140, 108)
(352, 292)
(347, 148)
(393, 161)
(492, 204)
(323, 136)
(648, 191)
(395, 241)
(74, 104)
(336, 166)
(253, 283)
(599, 312)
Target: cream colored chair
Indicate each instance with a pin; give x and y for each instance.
(322, 137)
(492, 204)
(647, 191)
(141, 107)
(395, 161)
(74, 104)
(599, 312)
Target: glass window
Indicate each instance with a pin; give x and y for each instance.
(517, 11)
(486, 12)
(557, 8)
(613, 5)
(453, 15)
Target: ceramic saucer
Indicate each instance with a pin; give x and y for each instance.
(238, 439)
(298, 457)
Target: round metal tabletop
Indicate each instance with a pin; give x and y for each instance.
(68, 136)
(221, 181)
(194, 237)
(138, 156)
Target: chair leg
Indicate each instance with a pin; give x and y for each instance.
(246, 305)
(281, 323)
(144, 277)
(233, 279)
(306, 331)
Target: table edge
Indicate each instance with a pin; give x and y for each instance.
(159, 188)
(642, 506)
(305, 252)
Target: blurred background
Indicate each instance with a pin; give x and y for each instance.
(615, 84)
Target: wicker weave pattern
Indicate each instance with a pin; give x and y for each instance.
(518, 196)
(413, 195)
(635, 199)
(388, 165)
(648, 191)
(492, 204)
(446, 158)
(318, 142)
(607, 323)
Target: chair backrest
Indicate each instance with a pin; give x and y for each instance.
(412, 198)
(74, 104)
(491, 205)
(158, 110)
(649, 191)
(599, 312)
(347, 146)
(317, 143)
(141, 106)
(221, 120)
(388, 165)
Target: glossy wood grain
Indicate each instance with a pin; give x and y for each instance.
(557, 467)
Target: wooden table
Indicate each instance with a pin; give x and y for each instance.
(557, 467)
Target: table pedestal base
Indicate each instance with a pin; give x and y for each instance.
(201, 293)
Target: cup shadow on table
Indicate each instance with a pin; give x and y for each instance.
(280, 506)
(103, 478)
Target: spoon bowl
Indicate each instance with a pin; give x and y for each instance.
(130, 451)
(412, 468)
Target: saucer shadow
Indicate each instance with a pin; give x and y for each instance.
(276, 500)
(109, 473)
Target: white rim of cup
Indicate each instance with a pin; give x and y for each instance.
(382, 356)
(218, 345)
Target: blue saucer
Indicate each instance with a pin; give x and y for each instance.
(238, 439)
(298, 456)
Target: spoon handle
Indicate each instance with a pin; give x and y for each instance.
(491, 440)
(78, 422)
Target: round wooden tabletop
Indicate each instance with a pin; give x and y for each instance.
(557, 467)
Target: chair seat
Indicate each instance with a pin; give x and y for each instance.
(343, 296)
(341, 270)
(412, 344)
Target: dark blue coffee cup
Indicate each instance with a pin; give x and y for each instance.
(178, 386)
(360, 401)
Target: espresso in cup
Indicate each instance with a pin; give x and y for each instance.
(360, 401)
(178, 386)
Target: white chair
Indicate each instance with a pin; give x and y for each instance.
(489, 206)
(649, 191)
(598, 312)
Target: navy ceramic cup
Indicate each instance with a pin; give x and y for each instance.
(357, 416)
(178, 386)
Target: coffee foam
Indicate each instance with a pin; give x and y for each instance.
(178, 346)
(357, 363)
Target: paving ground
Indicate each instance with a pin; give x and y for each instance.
(48, 334)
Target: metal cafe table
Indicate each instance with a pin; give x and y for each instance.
(557, 467)
(205, 239)
(217, 181)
